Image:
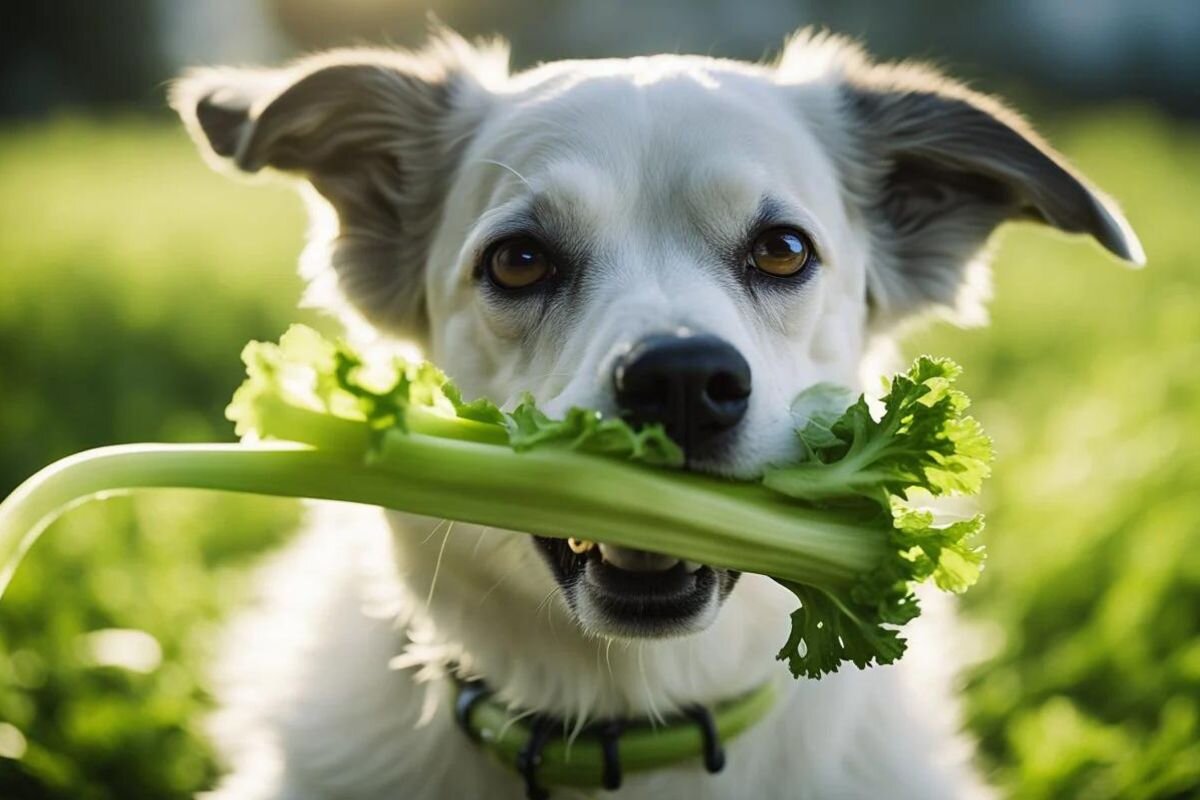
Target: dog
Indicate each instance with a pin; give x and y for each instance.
(674, 239)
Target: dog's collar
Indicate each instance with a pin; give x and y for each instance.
(536, 746)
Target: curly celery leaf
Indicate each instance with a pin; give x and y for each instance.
(384, 402)
(305, 371)
(478, 410)
(922, 441)
(828, 629)
(292, 372)
(862, 624)
(587, 431)
(943, 553)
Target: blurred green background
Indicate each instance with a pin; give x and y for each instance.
(130, 277)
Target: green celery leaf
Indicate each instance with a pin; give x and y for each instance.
(922, 440)
(589, 432)
(828, 629)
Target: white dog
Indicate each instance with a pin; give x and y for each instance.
(673, 238)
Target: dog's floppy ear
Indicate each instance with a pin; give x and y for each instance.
(377, 133)
(935, 168)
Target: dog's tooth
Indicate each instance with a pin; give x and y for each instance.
(691, 566)
(636, 560)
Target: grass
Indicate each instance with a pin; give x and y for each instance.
(132, 276)
(1087, 380)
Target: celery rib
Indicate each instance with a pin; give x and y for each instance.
(835, 528)
(552, 494)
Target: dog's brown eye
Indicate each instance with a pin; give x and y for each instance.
(781, 252)
(517, 263)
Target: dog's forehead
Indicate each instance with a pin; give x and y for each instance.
(648, 177)
(651, 139)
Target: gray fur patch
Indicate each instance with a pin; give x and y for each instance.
(937, 168)
(377, 133)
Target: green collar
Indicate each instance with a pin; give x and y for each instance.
(536, 746)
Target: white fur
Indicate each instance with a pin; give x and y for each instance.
(335, 685)
(313, 709)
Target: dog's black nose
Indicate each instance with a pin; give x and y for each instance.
(695, 385)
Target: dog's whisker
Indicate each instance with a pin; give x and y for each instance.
(545, 600)
(545, 606)
(433, 532)
(504, 166)
(482, 533)
(437, 567)
(493, 588)
(655, 716)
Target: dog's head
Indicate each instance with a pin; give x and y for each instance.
(676, 239)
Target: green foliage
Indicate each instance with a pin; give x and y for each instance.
(131, 275)
(585, 430)
(920, 443)
(1088, 615)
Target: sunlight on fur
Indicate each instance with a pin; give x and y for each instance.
(647, 173)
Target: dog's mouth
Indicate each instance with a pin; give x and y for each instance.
(620, 591)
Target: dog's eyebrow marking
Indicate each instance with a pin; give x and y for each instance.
(576, 194)
(721, 197)
(567, 198)
(738, 183)
(770, 211)
(730, 202)
(774, 210)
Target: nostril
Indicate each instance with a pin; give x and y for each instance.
(643, 389)
(726, 387)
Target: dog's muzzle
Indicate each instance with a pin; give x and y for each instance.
(697, 387)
